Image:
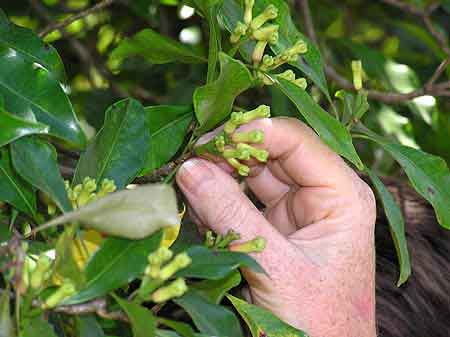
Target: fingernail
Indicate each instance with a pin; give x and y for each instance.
(193, 173)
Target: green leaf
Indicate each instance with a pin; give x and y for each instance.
(396, 226)
(6, 322)
(333, 133)
(262, 322)
(311, 63)
(119, 150)
(353, 106)
(28, 44)
(168, 126)
(213, 102)
(428, 174)
(131, 214)
(210, 318)
(14, 127)
(88, 326)
(35, 161)
(182, 328)
(116, 263)
(37, 326)
(215, 290)
(215, 40)
(66, 266)
(37, 96)
(215, 265)
(154, 48)
(143, 323)
(13, 189)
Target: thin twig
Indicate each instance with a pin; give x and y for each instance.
(58, 26)
(437, 73)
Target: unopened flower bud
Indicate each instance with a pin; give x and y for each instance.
(108, 186)
(258, 52)
(256, 245)
(63, 292)
(157, 259)
(270, 13)
(242, 169)
(254, 136)
(263, 111)
(235, 153)
(288, 75)
(239, 31)
(175, 289)
(248, 12)
(220, 143)
(267, 33)
(228, 238)
(209, 239)
(357, 74)
(301, 82)
(259, 154)
(41, 273)
(180, 261)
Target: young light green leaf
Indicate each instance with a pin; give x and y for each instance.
(35, 160)
(215, 265)
(215, 290)
(119, 150)
(428, 174)
(262, 322)
(154, 48)
(213, 102)
(168, 126)
(311, 64)
(116, 263)
(13, 189)
(14, 127)
(333, 133)
(28, 44)
(6, 322)
(143, 323)
(132, 214)
(38, 96)
(210, 318)
(396, 226)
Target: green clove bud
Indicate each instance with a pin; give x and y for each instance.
(108, 186)
(156, 260)
(254, 136)
(242, 169)
(268, 33)
(175, 289)
(256, 245)
(270, 13)
(63, 292)
(288, 75)
(209, 239)
(228, 238)
(220, 143)
(258, 52)
(301, 82)
(263, 111)
(357, 74)
(248, 12)
(87, 192)
(259, 154)
(41, 273)
(267, 62)
(241, 154)
(239, 31)
(180, 261)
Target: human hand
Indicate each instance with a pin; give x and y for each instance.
(318, 223)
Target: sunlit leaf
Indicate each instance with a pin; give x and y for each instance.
(132, 214)
(215, 290)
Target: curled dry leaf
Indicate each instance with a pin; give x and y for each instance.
(132, 214)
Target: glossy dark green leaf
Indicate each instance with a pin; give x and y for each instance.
(166, 333)
(310, 63)
(213, 102)
(428, 174)
(154, 48)
(143, 323)
(182, 328)
(262, 322)
(131, 214)
(37, 326)
(37, 96)
(116, 263)
(14, 127)
(215, 265)
(66, 266)
(119, 150)
(88, 326)
(210, 318)
(168, 126)
(215, 41)
(35, 161)
(13, 189)
(333, 133)
(6, 321)
(215, 290)
(28, 44)
(396, 226)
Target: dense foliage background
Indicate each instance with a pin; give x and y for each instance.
(131, 76)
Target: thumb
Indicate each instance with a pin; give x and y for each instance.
(219, 203)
